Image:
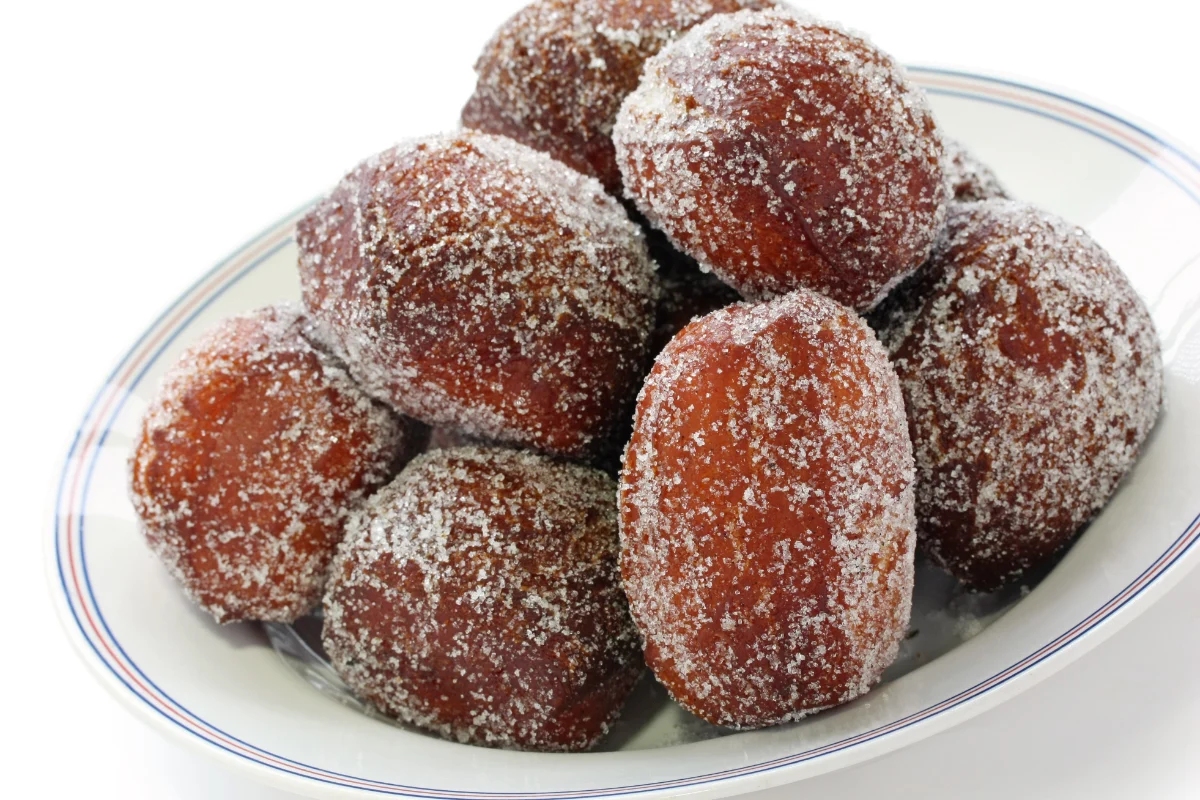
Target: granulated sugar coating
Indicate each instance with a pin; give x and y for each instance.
(554, 75)
(969, 178)
(782, 152)
(767, 521)
(1032, 374)
(478, 596)
(253, 453)
(475, 283)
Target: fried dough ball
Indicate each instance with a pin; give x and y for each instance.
(767, 524)
(250, 458)
(1032, 375)
(970, 179)
(554, 75)
(478, 597)
(477, 284)
(784, 152)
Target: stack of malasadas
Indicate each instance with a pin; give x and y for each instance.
(781, 459)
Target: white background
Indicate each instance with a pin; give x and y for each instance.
(140, 143)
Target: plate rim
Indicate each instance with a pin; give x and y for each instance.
(1163, 572)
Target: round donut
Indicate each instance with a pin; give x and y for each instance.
(767, 524)
(474, 283)
(478, 597)
(970, 179)
(1032, 374)
(249, 460)
(554, 75)
(784, 152)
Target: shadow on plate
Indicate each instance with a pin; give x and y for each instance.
(944, 616)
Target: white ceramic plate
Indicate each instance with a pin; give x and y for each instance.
(226, 692)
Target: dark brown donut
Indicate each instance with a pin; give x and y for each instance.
(970, 179)
(477, 284)
(252, 454)
(1032, 375)
(784, 152)
(554, 75)
(767, 512)
(478, 596)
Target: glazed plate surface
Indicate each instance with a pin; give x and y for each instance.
(227, 691)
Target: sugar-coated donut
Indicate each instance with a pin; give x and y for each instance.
(478, 597)
(554, 75)
(785, 152)
(1032, 375)
(475, 283)
(767, 522)
(970, 179)
(250, 458)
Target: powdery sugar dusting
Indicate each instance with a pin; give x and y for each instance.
(781, 151)
(1032, 374)
(473, 282)
(767, 512)
(252, 454)
(478, 597)
(554, 75)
